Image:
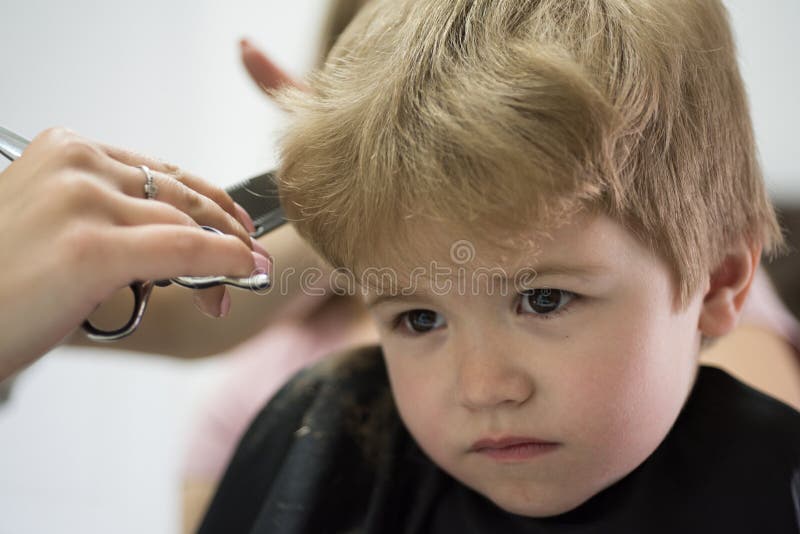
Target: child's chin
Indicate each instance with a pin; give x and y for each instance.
(546, 506)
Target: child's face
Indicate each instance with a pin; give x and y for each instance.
(599, 369)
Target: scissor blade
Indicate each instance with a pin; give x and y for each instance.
(11, 144)
(255, 282)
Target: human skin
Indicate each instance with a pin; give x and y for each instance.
(603, 376)
(78, 227)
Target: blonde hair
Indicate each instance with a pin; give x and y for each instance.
(339, 14)
(505, 116)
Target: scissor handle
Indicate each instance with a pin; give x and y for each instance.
(141, 294)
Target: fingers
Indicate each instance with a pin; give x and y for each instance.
(119, 167)
(214, 301)
(164, 172)
(108, 229)
(245, 218)
(155, 252)
(268, 76)
(188, 251)
(128, 211)
(197, 205)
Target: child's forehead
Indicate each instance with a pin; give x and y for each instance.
(582, 247)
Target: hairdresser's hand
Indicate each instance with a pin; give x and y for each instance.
(76, 227)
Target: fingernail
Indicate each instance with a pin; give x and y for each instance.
(244, 218)
(262, 264)
(225, 304)
(243, 42)
(206, 308)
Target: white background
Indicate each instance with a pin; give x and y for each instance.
(92, 441)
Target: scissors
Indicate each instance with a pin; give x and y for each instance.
(257, 195)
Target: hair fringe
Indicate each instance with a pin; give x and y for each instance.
(504, 117)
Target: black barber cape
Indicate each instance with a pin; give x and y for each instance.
(329, 454)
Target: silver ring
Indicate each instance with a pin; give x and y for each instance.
(150, 188)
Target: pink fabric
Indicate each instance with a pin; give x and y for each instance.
(259, 367)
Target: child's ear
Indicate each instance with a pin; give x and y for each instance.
(727, 290)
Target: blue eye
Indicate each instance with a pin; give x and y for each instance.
(418, 321)
(545, 302)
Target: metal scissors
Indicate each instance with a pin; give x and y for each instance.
(12, 146)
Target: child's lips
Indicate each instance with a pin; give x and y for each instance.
(513, 448)
(507, 441)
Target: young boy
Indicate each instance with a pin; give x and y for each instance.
(549, 206)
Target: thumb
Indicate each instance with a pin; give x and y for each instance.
(268, 76)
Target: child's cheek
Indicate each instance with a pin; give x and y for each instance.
(424, 400)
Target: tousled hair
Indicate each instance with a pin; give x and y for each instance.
(339, 14)
(504, 117)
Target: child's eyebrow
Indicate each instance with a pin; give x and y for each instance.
(384, 299)
(583, 270)
(530, 274)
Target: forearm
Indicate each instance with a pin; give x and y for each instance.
(172, 326)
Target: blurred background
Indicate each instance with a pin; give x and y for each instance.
(92, 440)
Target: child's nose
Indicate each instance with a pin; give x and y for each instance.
(486, 377)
